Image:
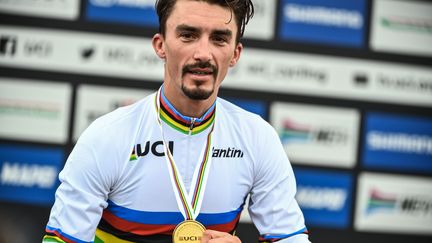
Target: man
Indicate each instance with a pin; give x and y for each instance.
(178, 165)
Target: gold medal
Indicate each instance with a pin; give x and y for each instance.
(190, 231)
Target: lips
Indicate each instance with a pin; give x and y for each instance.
(200, 69)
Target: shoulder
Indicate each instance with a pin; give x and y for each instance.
(123, 121)
(241, 118)
(248, 127)
(126, 114)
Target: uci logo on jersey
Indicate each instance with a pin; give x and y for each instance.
(156, 148)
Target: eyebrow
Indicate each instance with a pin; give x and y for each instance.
(225, 32)
(184, 27)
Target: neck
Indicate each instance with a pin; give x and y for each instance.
(187, 106)
(191, 109)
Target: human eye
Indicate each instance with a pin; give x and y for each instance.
(187, 36)
(220, 40)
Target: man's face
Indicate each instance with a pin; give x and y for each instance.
(199, 46)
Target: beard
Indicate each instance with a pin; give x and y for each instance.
(197, 93)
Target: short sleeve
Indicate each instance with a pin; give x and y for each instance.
(81, 197)
(272, 206)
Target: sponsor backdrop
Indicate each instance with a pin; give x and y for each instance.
(346, 84)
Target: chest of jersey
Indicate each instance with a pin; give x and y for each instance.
(145, 185)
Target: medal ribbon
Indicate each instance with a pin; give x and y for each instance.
(189, 206)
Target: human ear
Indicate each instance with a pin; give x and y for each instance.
(158, 45)
(236, 56)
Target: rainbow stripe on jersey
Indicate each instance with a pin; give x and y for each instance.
(182, 123)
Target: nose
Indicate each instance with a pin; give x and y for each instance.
(203, 51)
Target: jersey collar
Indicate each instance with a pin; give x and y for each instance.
(185, 124)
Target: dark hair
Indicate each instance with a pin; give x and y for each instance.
(243, 11)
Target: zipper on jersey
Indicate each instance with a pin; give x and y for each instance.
(191, 125)
(187, 179)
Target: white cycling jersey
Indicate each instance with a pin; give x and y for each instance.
(116, 183)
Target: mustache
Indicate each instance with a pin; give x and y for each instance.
(189, 67)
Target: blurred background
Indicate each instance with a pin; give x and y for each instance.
(346, 84)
